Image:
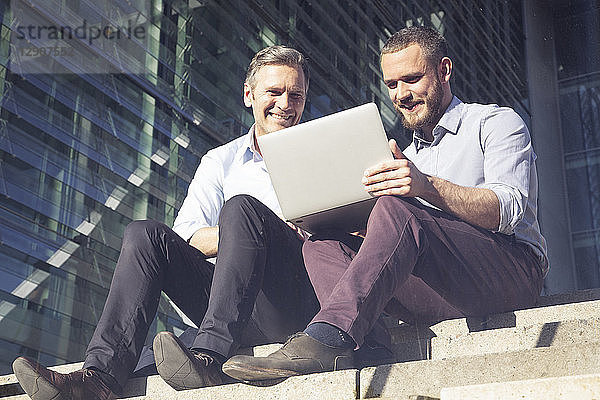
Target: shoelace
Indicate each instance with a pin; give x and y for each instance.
(205, 358)
(87, 373)
(293, 336)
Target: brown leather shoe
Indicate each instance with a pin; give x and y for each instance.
(182, 368)
(40, 383)
(300, 355)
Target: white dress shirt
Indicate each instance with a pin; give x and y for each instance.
(233, 168)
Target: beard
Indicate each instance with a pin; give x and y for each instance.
(433, 109)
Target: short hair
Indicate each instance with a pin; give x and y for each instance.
(277, 55)
(432, 43)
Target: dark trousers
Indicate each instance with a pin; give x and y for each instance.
(420, 265)
(257, 292)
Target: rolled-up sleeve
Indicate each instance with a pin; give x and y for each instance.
(508, 157)
(204, 199)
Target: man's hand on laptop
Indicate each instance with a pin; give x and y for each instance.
(397, 177)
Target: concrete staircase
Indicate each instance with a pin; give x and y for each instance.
(548, 352)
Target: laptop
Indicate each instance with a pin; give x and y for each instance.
(316, 168)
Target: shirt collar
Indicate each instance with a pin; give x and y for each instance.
(248, 151)
(449, 123)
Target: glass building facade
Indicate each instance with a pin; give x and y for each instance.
(83, 154)
(577, 36)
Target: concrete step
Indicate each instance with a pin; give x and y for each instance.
(402, 381)
(555, 340)
(572, 297)
(339, 385)
(427, 378)
(550, 325)
(501, 340)
(564, 307)
(579, 387)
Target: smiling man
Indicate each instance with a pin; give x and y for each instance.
(257, 292)
(278, 100)
(454, 232)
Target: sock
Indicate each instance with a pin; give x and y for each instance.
(329, 335)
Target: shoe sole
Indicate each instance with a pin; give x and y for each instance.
(33, 383)
(173, 363)
(246, 373)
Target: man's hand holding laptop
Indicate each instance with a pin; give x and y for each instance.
(395, 177)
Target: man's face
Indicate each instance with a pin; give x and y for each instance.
(277, 98)
(414, 87)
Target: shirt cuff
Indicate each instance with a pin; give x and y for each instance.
(511, 206)
(186, 231)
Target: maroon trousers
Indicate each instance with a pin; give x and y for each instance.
(420, 265)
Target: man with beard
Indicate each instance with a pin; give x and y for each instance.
(257, 292)
(454, 232)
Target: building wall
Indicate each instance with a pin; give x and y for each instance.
(82, 155)
(577, 37)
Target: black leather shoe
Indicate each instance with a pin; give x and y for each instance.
(40, 383)
(300, 355)
(182, 368)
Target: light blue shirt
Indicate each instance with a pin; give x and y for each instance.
(487, 146)
(233, 168)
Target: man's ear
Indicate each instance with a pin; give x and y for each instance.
(247, 95)
(445, 69)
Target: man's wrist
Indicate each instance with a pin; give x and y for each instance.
(431, 190)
